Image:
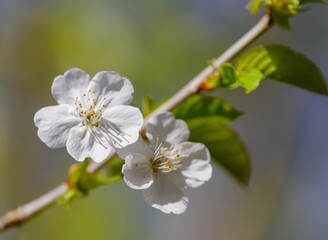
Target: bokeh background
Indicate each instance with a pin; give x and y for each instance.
(160, 45)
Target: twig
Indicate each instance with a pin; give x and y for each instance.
(25, 212)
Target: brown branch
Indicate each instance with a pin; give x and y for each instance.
(31, 209)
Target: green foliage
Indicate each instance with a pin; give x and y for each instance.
(280, 63)
(255, 6)
(228, 77)
(283, 10)
(80, 182)
(287, 7)
(224, 145)
(67, 198)
(280, 10)
(77, 176)
(223, 76)
(205, 106)
(281, 19)
(250, 79)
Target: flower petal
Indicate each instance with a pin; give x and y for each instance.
(168, 128)
(196, 168)
(74, 83)
(81, 144)
(121, 124)
(137, 171)
(110, 85)
(139, 146)
(166, 195)
(54, 124)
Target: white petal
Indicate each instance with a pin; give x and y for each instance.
(137, 171)
(122, 125)
(111, 85)
(166, 195)
(139, 146)
(82, 144)
(74, 83)
(196, 168)
(54, 124)
(168, 128)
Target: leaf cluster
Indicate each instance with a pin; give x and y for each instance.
(208, 116)
(80, 181)
(273, 62)
(281, 10)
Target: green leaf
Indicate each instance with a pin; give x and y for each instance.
(67, 198)
(98, 179)
(254, 6)
(287, 7)
(281, 19)
(282, 64)
(250, 79)
(228, 77)
(224, 145)
(76, 175)
(204, 106)
(80, 181)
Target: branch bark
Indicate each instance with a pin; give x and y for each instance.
(25, 212)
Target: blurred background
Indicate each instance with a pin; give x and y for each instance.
(159, 46)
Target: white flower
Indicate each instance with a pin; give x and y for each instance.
(168, 166)
(92, 116)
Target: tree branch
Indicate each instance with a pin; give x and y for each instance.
(29, 210)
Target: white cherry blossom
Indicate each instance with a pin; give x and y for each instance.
(169, 165)
(92, 117)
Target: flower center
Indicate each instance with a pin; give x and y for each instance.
(104, 132)
(167, 159)
(89, 110)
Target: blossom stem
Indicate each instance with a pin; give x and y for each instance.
(25, 212)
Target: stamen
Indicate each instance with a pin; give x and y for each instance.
(90, 111)
(88, 108)
(96, 136)
(166, 159)
(113, 133)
